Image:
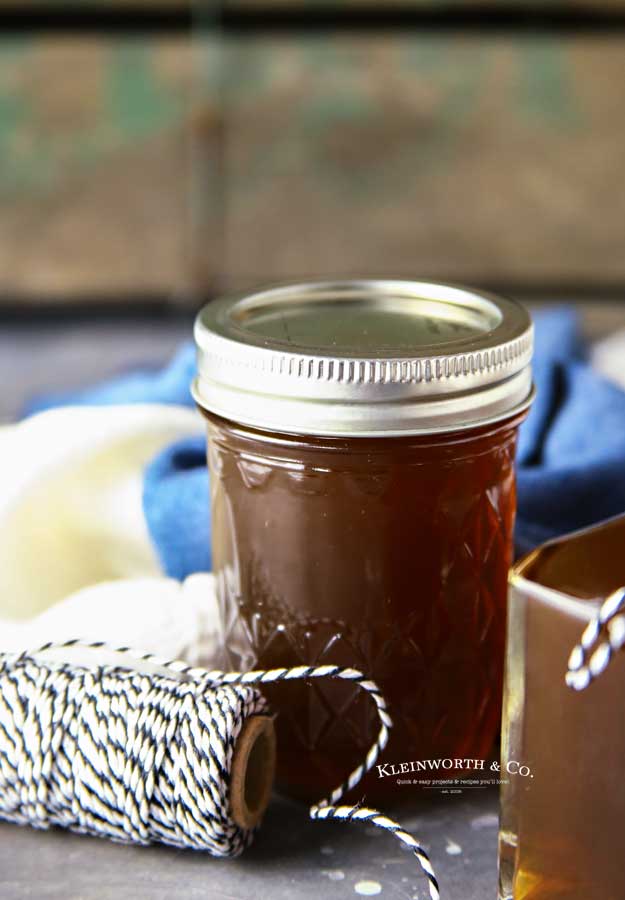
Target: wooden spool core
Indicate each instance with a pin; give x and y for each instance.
(253, 768)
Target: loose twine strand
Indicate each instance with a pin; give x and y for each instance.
(602, 638)
(144, 757)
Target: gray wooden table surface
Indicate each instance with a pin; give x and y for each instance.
(292, 858)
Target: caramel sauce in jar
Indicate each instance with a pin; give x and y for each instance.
(389, 555)
(361, 451)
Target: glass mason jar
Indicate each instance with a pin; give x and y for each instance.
(361, 449)
(561, 831)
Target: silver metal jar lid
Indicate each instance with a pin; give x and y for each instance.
(363, 358)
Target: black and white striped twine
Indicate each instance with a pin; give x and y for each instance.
(145, 756)
(602, 638)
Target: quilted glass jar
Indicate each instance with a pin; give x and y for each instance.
(361, 450)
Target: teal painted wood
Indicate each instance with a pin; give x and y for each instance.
(66, 105)
(452, 156)
(94, 165)
(228, 161)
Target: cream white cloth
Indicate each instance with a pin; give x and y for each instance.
(75, 556)
(608, 357)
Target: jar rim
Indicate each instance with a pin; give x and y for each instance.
(369, 358)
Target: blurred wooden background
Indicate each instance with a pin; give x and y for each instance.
(153, 152)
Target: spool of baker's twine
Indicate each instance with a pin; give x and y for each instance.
(180, 755)
(602, 638)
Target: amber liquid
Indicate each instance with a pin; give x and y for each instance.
(563, 829)
(389, 555)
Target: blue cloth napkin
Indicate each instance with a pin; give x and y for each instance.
(571, 457)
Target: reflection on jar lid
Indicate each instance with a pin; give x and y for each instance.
(364, 358)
